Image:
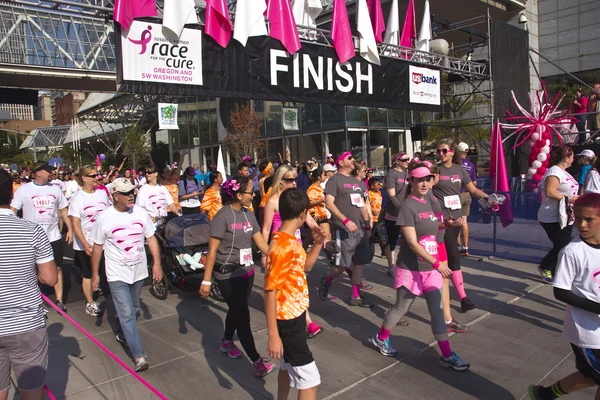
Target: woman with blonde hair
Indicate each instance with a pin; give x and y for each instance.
(84, 207)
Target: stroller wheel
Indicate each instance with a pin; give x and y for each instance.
(160, 289)
(215, 293)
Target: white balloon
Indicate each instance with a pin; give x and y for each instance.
(532, 171)
(545, 150)
(547, 142)
(536, 164)
(535, 136)
(542, 157)
(539, 129)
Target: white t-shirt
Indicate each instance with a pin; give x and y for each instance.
(71, 188)
(40, 204)
(577, 271)
(155, 199)
(592, 182)
(143, 181)
(191, 188)
(122, 234)
(86, 207)
(568, 186)
(57, 182)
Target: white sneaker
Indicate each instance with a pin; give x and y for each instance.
(141, 364)
(92, 309)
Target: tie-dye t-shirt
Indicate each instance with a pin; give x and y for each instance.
(122, 234)
(315, 192)
(211, 202)
(86, 207)
(285, 273)
(375, 200)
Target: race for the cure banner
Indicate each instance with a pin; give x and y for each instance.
(424, 86)
(150, 56)
(197, 66)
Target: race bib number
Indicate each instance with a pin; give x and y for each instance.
(357, 200)
(44, 212)
(429, 244)
(246, 257)
(452, 202)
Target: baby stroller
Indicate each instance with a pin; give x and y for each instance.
(184, 246)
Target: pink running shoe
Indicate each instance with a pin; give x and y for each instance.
(263, 368)
(313, 330)
(227, 346)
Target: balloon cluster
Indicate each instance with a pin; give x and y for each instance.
(539, 145)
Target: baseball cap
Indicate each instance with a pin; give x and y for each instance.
(587, 153)
(329, 168)
(42, 165)
(122, 185)
(246, 158)
(190, 171)
(420, 172)
(463, 147)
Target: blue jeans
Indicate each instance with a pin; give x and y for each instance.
(127, 303)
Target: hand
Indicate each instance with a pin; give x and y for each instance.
(69, 237)
(573, 199)
(275, 347)
(351, 226)
(318, 236)
(444, 270)
(263, 260)
(204, 290)
(157, 273)
(87, 248)
(453, 223)
(95, 282)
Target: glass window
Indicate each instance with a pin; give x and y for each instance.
(356, 144)
(378, 149)
(397, 142)
(377, 116)
(312, 146)
(334, 116)
(208, 157)
(357, 116)
(396, 117)
(337, 142)
(274, 148)
(273, 117)
(292, 143)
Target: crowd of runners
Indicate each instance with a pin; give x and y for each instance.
(290, 214)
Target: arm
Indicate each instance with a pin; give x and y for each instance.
(65, 216)
(570, 298)
(155, 251)
(393, 198)
(269, 213)
(313, 254)
(47, 273)
(479, 194)
(96, 255)
(330, 204)
(275, 347)
(550, 189)
(213, 245)
(366, 214)
(14, 210)
(189, 196)
(79, 233)
(261, 243)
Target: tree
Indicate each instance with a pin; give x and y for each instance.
(136, 147)
(243, 136)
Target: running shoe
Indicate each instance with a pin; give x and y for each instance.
(121, 339)
(455, 327)
(534, 392)
(324, 288)
(313, 330)
(92, 309)
(364, 285)
(383, 257)
(464, 252)
(402, 322)
(384, 346)
(262, 368)
(141, 364)
(360, 302)
(227, 346)
(454, 362)
(466, 305)
(61, 305)
(546, 275)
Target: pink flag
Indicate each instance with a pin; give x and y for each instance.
(127, 10)
(283, 26)
(409, 31)
(498, 175)
(216, 21)
(376, 19)
(341, 32)
(97, 162)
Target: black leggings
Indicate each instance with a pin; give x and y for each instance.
(450, 238)
(559, 238)
(236, 292)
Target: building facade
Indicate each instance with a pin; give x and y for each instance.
(18, 111)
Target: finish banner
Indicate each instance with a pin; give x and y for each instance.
(149, 61)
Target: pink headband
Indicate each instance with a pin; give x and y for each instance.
(399, 156)
(342, 157)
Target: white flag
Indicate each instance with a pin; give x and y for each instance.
(392, 33)
(177, 13)
(249, 20)
(221, 163)
(425, 32)
(306, 12)
(367, 45)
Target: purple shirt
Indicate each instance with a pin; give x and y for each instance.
(471, 170)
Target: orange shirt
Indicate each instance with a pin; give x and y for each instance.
(174, 192)
(211, 202)
(315, 192)
(285, 273)
(265, 198)
(261, 186)
(375, 201)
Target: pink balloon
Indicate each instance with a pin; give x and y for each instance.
(542, 170)
(538, 176)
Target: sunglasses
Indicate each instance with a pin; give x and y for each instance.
(349, 158)
(403, 159)
(126, 193)
(151, 172)
(444, 151)
(92, 176)
(289, 180)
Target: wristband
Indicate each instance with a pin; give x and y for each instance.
(436, 264)
(208, 283)
(367, 228)
(346, 221)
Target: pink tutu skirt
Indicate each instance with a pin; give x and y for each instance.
(418, 282)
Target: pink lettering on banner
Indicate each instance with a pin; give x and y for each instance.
(129, 237)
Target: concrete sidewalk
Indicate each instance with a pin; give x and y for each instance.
(515, 339)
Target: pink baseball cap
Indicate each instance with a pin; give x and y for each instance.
(420, 172)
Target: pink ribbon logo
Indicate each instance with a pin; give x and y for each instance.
(129, 237)
(144, 40)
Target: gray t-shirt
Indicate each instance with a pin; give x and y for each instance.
(235, 229)
(350, 196)
(437, 209)
(420, 215)
(447, 190)
(399, 181)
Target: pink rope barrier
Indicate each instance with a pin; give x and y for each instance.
(49, 393)
(107, 351)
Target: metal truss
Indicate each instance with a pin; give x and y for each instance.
(57, 34)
